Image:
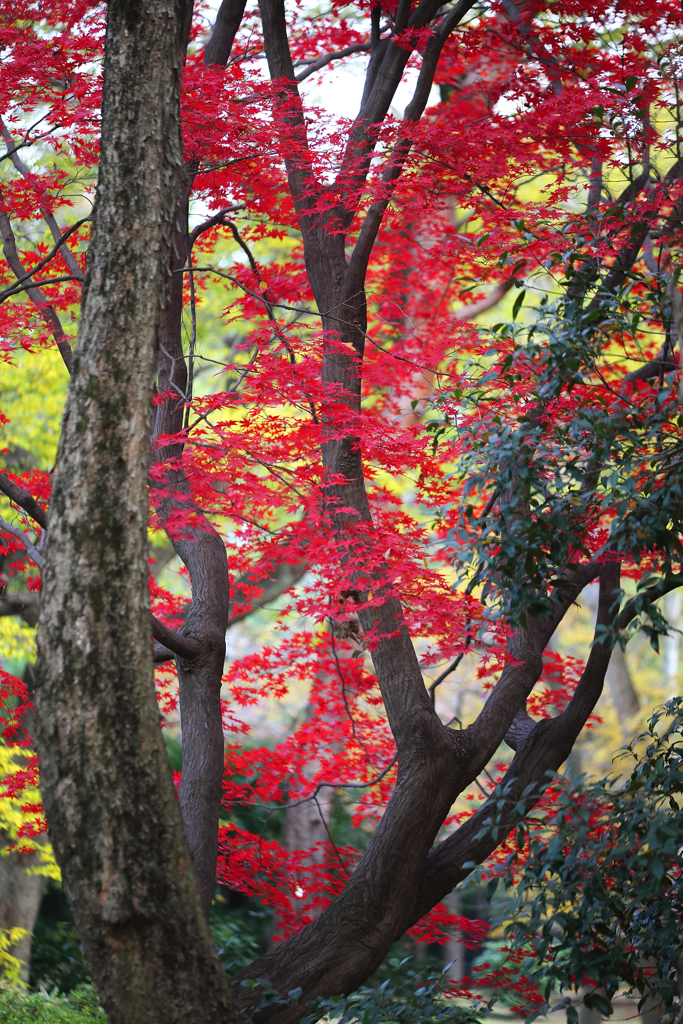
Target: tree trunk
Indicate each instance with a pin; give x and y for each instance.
(671, 643)
(107, 789)
(621, 688)
(20, 896)
(618, 677)
(203, 553)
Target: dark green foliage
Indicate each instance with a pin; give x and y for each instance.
(79, 1007)
(409, 994)
(553, 457)
(56, 956)
(600, 905)
(240, 937)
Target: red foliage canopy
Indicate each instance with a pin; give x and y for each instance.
(500, 464)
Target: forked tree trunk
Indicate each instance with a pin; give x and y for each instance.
(107, 788)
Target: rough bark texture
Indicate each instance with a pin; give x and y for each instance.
(107, 788)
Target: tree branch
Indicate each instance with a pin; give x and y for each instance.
(25, 605)
(25, 171)
(31, 549)
(212, 222)
(24, 500)
(542, 750)
(46, 259)
(47, 311)
(629, 254)
(183, 646)
(399, 154)
(228, 20)
(648, 596)
(319, 62)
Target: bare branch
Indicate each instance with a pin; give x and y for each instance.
(31, 549)
(447, 671)
(648, 596)
(49, 218)
(277, 582)
(26, 141)
(46, 259)
(48, 312)
(181, 645)
(16, 289)
(472, 309)
(24, 500)
(413, 112)
(228, 20)
(319, 62)
(543, 747)
(629, 254)
(24, 605)
(662, 363)
(218, 218)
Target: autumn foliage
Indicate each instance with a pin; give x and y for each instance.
(544, 178)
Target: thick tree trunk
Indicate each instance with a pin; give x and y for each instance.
(107, 789)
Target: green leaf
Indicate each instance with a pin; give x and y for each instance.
(518, 303)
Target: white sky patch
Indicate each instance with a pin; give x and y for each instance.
(339, 89)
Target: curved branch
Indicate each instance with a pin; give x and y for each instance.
(212, 222)
(31, 550)
(48, 312)
(25, 500)
(25, 171)
(320, 62)
(183, 646)
(542, 750)
(648, 596)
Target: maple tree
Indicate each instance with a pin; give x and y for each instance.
(445, 489)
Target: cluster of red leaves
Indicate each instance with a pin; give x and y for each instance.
(459, 226)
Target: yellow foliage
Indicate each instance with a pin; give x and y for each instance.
(17, 641)
(12, 817)
(32, 392)
(10, 966)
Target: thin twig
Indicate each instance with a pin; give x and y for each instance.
(336, 785)
(329, 836)
(451, 668)
(46, 259)
(326, 316)
(16, 289)
(343, 690)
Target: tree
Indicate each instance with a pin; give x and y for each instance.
(542, 461)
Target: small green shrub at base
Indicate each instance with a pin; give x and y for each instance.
(80, 1006)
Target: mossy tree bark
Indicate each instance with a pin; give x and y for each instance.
(107, 788)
